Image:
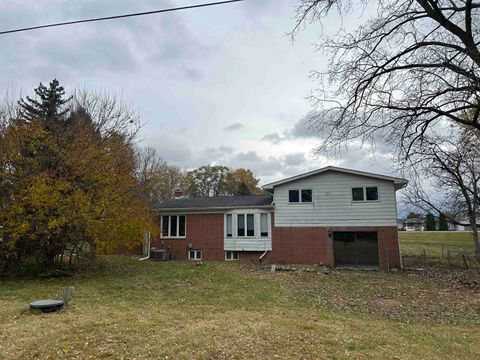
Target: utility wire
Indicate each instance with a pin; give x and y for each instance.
(113, 17)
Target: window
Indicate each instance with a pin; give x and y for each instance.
(241, 225)
(231, 255)
(194, 254)
(372, 193)
(306, 195)
(300, 196)
(264, 225)
(365, 193)
(173, 226)
(250, 225)
(229, 225)
(181, 225)
(357, 194)
(293, 196)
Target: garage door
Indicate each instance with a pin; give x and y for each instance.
(355, 248)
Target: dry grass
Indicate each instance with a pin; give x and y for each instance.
(178, 310)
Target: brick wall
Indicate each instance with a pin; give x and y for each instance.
(204, 232)
(291, 245)
(312, 245)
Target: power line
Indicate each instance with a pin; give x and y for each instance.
(113, 17)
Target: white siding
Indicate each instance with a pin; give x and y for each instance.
(332, 202)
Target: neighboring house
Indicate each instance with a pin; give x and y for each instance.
(466, 227)
(414, 224)
(331, 216)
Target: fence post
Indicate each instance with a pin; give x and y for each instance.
(465, 261)
(387, 260)
(425, 260)
(448, 259)
(443, 251)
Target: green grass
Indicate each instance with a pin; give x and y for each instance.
(180, 310)
(414, 242)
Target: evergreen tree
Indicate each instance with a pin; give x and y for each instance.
(48, 105)
(430, 222)
(443, 225)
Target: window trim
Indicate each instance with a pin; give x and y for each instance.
(300, 196)
(232, 252)
(365, 194)
(170, 224)
(195, 257)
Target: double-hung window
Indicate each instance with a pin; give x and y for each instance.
(173, 226)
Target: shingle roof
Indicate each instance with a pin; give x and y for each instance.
(217, 202)
(399, 182)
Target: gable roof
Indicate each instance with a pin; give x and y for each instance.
(398, 182)
(216, 202)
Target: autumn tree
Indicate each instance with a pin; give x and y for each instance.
(208, 180)
(217, 180)
(414, 64)
(67, 182)
(243, 182)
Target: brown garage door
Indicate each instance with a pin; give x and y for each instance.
(355, 248)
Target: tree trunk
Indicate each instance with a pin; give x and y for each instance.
(473, 224)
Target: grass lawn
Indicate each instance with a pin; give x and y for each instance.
(414, 242)
(180, 310)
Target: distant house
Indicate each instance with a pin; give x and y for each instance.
(414, 224)
(331, 216)
(466, 227)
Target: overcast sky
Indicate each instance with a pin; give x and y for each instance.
(221, 85)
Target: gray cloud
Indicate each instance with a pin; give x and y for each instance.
(295, 159)
(234, 127)
(274, 138)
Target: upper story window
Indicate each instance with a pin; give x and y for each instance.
(173, 226)
(300, 196)
(369, 193)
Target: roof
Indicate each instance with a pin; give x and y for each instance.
(216, 202)
(399, 182)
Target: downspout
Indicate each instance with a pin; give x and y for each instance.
(147, 239)
(266, 251)
(261, 256)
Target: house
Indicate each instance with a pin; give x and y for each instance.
(332, 216)
(414, 224)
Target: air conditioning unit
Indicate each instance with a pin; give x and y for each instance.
(158, 254)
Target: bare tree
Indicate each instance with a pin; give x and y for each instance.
(415, 64)
(156, 178)
(109, 113)
(451, 164)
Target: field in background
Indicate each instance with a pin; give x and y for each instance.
(125, 308)
(414, 242)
